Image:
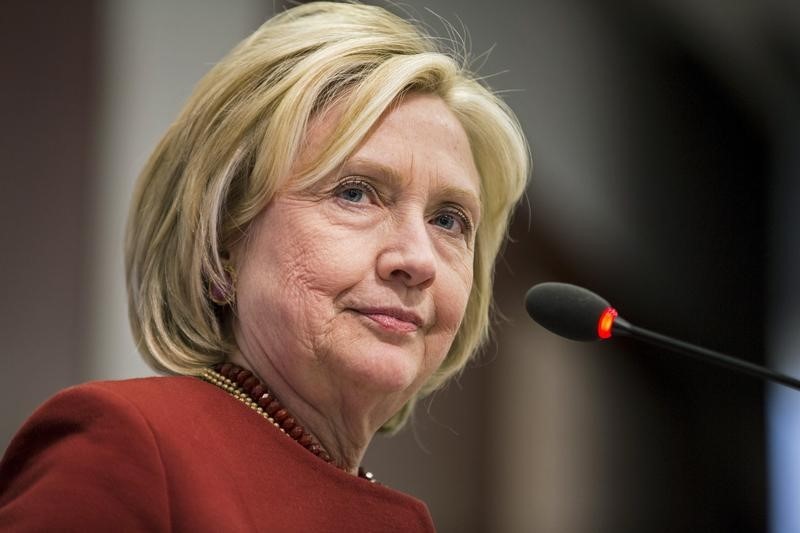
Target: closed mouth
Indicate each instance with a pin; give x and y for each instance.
(392, 318)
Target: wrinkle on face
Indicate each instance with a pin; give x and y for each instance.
(311, 262)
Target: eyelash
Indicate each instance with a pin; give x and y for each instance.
(466, 222)
(356, 183)
(368, 188)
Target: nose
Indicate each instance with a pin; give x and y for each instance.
(407, 255)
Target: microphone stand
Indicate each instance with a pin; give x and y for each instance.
(625, 328)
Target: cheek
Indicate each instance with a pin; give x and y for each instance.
(281, 283)
(283, 306)
(451, 303)
(292, 275)
(456, 288)
(325, 264)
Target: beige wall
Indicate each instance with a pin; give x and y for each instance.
(151, 53)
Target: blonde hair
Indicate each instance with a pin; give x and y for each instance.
(231, 148)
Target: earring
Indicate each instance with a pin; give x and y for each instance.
(225, 295)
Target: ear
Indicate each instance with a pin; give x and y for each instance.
(223, 291)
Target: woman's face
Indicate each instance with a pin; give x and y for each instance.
(358, 285)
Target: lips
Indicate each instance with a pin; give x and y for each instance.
(393, 318)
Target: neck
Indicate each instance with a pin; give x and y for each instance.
(343, 439)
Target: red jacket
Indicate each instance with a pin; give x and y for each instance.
(179, 454)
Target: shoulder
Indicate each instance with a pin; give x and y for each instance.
(89, 455)
(123, 405)
(137, 398)
(106, 416)
(137, 391)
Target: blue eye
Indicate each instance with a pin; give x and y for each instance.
(355, 191)
(351, 194)
(454, 221)
(445, 220)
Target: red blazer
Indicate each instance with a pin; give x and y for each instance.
(179, 454)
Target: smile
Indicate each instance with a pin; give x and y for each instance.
(392, 319)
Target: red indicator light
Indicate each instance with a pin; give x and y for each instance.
(606, 322)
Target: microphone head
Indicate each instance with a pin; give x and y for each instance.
(570, 311)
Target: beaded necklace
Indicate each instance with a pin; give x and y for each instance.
(248, 389)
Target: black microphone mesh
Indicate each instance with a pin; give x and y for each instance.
(566, 310)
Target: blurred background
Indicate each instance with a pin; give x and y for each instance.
(666, 178)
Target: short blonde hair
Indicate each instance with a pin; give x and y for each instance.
(232, 146)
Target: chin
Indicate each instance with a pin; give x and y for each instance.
(386, 369)
(372, 359)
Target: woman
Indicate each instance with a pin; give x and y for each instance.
(314, 237)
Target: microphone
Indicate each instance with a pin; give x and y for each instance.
(579, 314)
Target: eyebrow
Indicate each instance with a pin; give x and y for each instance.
(459, 195)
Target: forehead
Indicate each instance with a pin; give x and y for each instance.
(418, 136)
